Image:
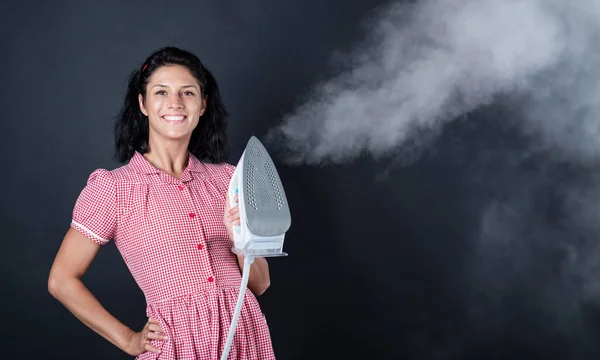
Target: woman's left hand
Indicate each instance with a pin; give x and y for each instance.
(232, 216)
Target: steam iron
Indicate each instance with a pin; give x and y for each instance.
(264, 212)
(264, 215)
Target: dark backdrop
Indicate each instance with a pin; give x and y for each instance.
(384, 260)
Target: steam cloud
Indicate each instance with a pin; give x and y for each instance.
(426, 63)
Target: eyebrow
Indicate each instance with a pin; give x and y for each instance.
(183, 87)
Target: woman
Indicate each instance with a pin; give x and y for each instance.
(167, 212)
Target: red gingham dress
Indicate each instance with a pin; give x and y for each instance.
(171, 235)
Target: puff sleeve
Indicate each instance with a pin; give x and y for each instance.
(229, 170)
(95, 211)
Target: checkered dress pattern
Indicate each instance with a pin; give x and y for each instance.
(171, 235)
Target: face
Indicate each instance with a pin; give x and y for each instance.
(173, 103)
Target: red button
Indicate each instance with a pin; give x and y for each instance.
(192, 215)
(180, 187)
(200, 246)
(211, 279)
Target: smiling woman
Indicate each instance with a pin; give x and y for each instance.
(168, 214)
(173, 82)
(173, 103)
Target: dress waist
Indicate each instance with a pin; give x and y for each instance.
(201, 290)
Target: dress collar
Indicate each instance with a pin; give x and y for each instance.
(141, 165)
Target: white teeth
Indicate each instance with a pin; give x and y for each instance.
(174, 118)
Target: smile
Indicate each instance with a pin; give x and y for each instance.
(174, 119)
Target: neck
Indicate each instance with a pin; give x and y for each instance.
(169, 156)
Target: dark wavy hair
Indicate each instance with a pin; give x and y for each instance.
(209, 139)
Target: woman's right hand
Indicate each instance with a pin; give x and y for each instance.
(140, 342)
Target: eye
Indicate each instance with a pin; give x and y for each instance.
(160, 92)
(188, 93)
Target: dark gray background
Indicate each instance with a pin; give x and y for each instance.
(382, 259)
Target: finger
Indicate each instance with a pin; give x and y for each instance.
(152, 321)
(235, 198)
(151, 348)
(156, 336)
(155, 328)
(234, 210)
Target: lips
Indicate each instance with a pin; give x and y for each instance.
(174, 119)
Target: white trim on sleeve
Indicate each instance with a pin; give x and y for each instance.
(90, 232)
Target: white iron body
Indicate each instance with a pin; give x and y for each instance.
(264, 212)
(264, 215)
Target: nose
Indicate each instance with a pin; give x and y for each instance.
(175, 102)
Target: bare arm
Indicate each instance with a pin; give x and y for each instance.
(74, 257)
(259, 279)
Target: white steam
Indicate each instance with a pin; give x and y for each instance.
(424, 64)
(427, 63)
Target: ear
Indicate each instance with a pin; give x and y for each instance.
(142, 107)
(203, 106)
